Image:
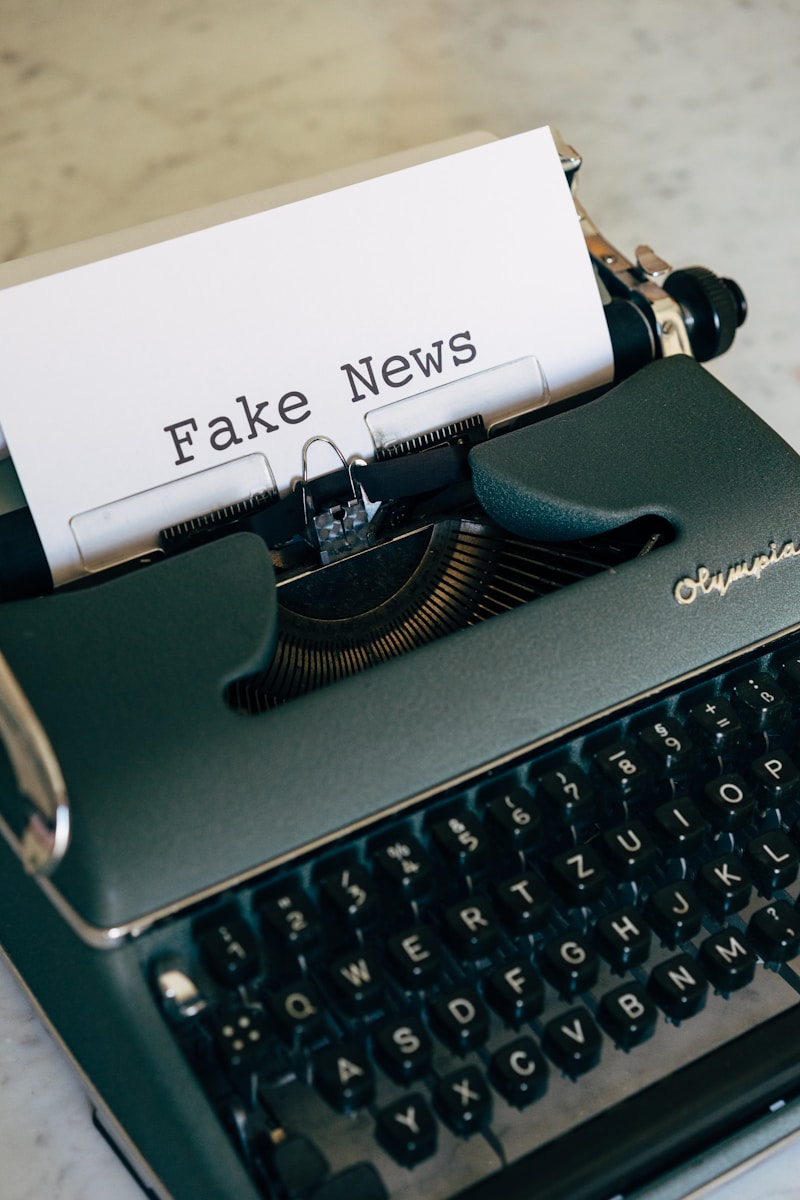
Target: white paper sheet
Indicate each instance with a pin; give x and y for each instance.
(253, 336)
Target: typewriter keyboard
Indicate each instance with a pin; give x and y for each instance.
(421, 1004)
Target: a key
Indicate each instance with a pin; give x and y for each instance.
(344, 1076)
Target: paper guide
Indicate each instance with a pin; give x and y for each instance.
(239, 343)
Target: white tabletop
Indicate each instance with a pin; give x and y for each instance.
(113, 114)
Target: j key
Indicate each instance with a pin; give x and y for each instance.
(629, 850)
(519, 1072)
(230, 950)
(344, 1076)
(404, 868)
(623, 766)
(403, 1048)
(678, 987)
(716, 723)
(523, 902)
(579, 875)
(776, 778)
(463, 1100)
(725, 883)
(515, 991)
(728, 802)
(728, 960)
(462, 842)
(627, 1014)
(772, 860)
(567, 794)
(293, 919)
(514, 817)
(675, 912)
(358, 981)
(414, 957)
(623, 938)
(407, 1130)
(762, 702)
(298, 1011)
(460, 1019)
(472, 928)
(669, 742)
(350, 894)
(570, 963)
(774, 931)
(573, 1041)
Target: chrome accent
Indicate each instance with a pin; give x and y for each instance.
(651, 264)
(640, 282)
(179, 992)
(343, 529)
(706, 583)
(45, 838)
(106, 938)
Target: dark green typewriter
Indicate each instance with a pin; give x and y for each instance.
(434, 832)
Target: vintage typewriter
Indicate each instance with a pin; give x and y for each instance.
(435, 831)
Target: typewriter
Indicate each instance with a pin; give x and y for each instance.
(435, 831)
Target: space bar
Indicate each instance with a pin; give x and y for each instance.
(631, 1143)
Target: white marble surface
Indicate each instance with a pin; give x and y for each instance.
(113, 113)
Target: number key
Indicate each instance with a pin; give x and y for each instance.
(230, 950)
(515, 817)
(462, 841)
(669, 742)
(623, 766)
(350, 893)
(567, 794)
(405, 868)
(293, 919)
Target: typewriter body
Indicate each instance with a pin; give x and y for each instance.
(464, 864)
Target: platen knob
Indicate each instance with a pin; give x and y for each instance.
(713, 308)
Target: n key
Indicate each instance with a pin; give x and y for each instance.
(678, 987)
